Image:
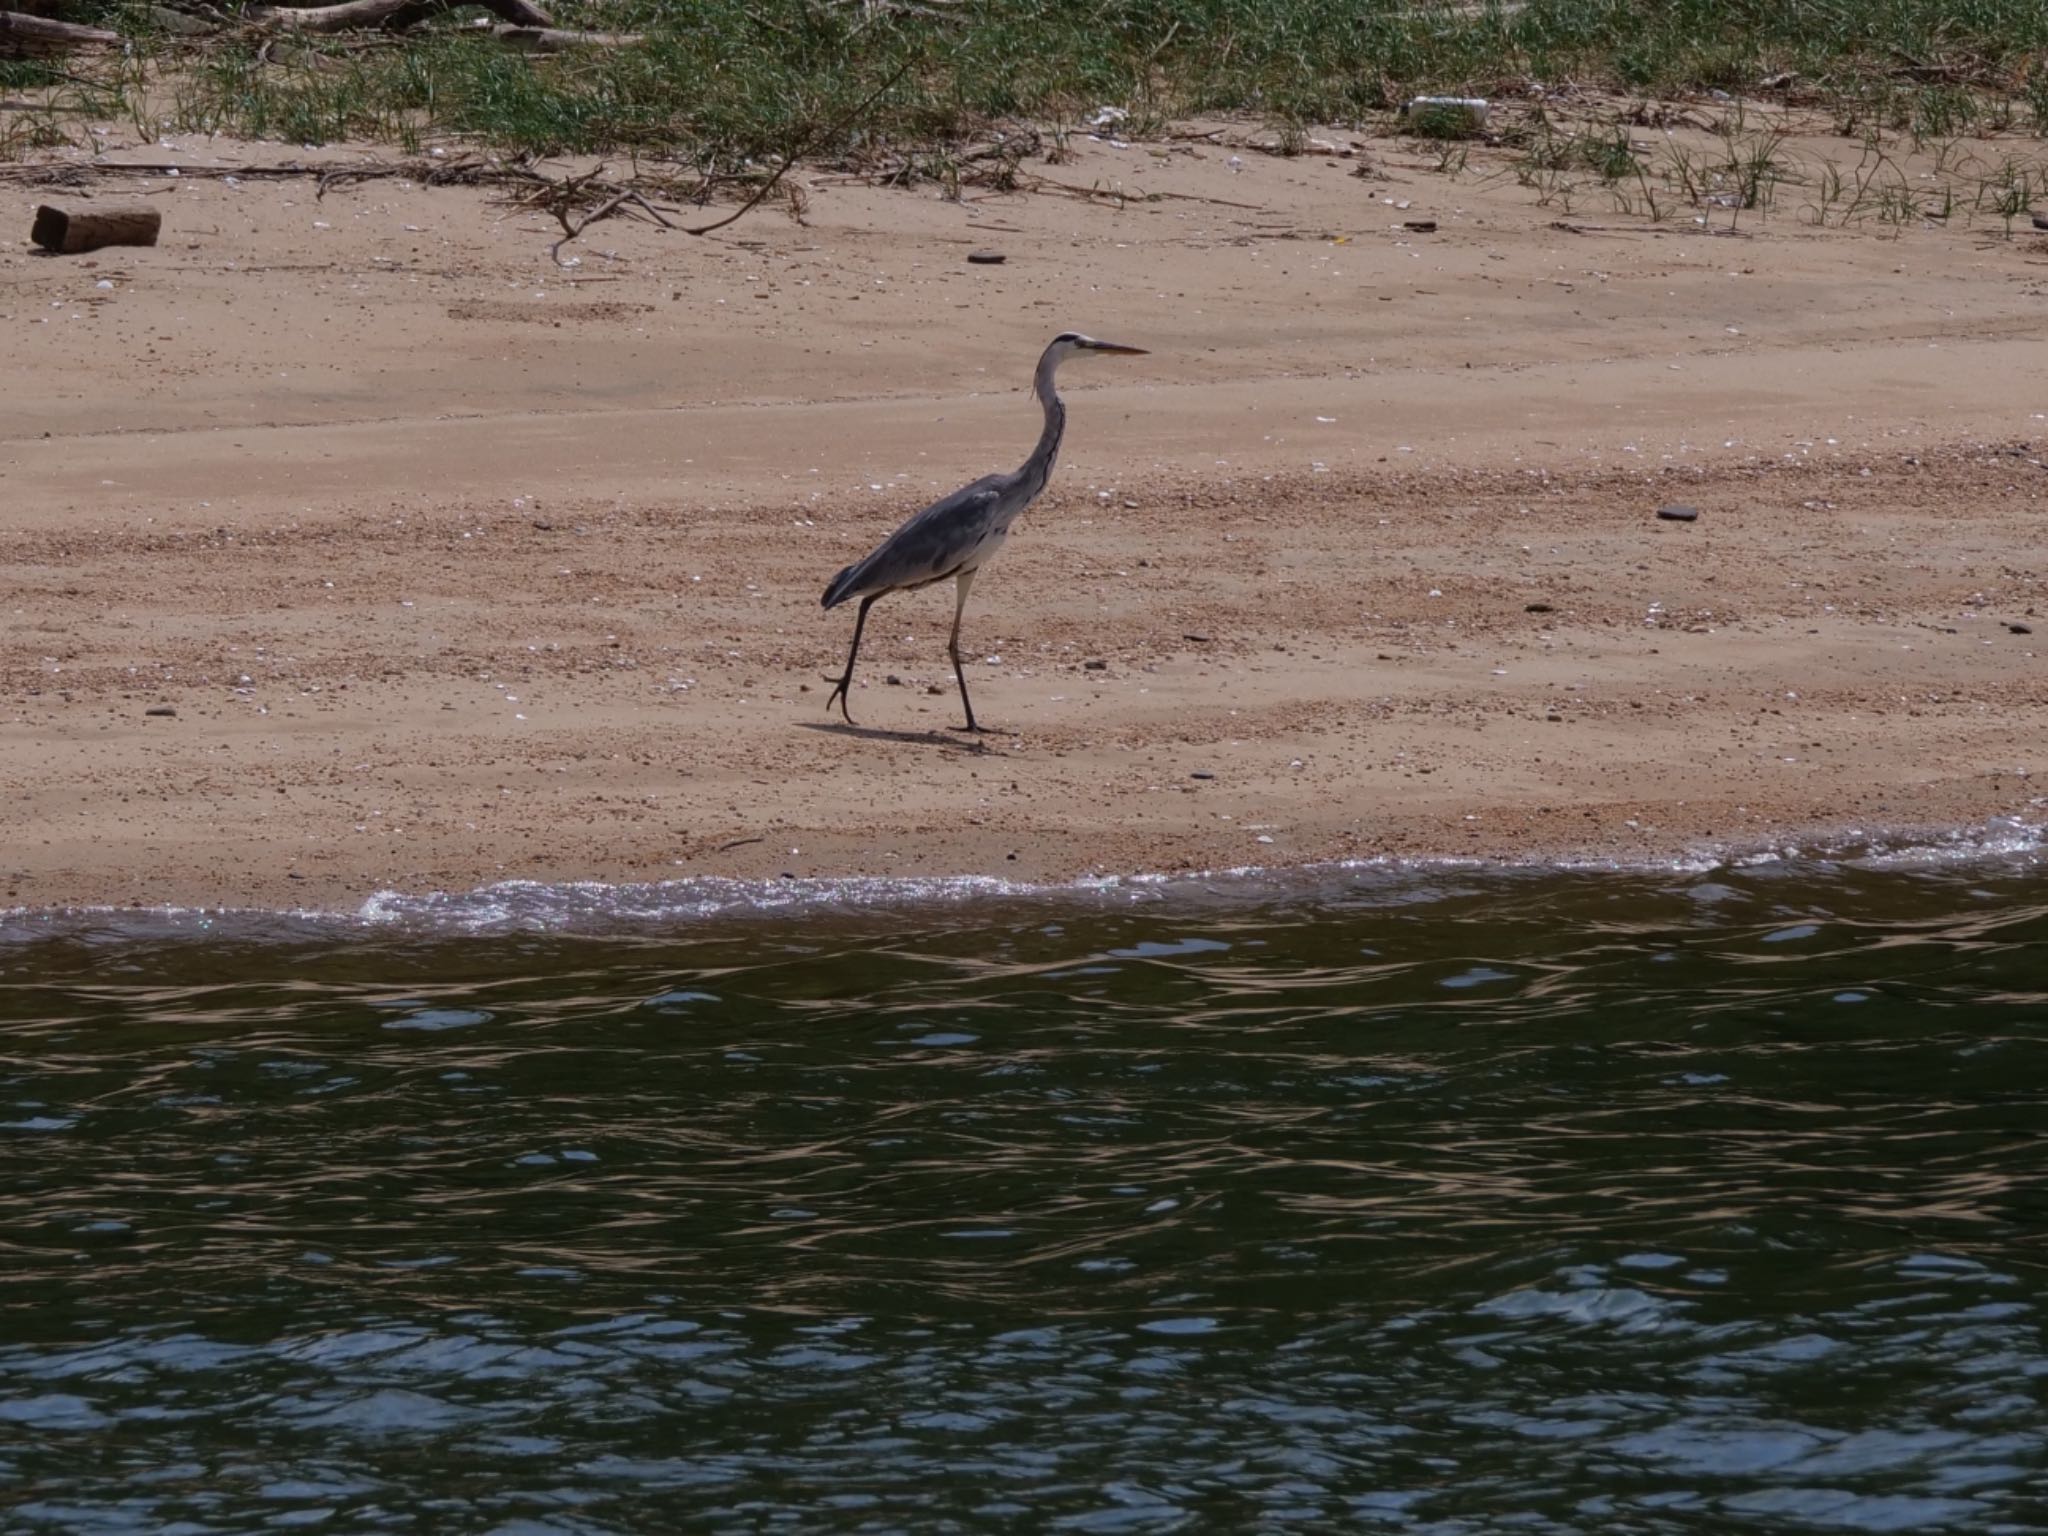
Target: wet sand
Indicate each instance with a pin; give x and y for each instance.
(454, 567)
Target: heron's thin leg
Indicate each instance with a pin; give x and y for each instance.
(965, 580)
(839, 690)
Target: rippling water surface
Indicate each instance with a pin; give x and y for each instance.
(1445, 1202)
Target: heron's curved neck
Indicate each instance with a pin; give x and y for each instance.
(1038, 468)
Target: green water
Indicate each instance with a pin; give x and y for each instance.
(1431, 1202)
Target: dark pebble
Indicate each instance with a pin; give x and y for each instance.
(1095, 666)
(160, 709)
(1539, 608)
(987, 258)
(1199, 639)
(2041, 221)
(893, 680)
(1201, 773)
(1678, 514)
(1421, 226)
(2021, 629)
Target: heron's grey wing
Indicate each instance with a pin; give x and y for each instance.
(929, 547)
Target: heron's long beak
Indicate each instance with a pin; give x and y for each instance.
(1110, 346)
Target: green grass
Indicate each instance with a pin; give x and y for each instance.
(720, 83)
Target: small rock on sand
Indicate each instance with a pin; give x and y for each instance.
(160, 709)
(987, 258)
(1678, 514)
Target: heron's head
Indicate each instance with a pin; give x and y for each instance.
(1069, 342)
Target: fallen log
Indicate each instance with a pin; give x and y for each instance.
(391, 15)
(560, 39)
(19, 31)
(66, 234)
(180, 23)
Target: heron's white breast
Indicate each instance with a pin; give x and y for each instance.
(984, 548)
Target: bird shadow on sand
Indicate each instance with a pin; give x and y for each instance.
(959, 741)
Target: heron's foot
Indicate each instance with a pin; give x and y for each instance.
(979, 730)
(838, 695)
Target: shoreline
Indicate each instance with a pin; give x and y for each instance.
(597, 910)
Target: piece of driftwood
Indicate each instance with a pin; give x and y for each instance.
(181, 23)
(66, 233)
(559, 39)
(19, 31)
(391, 15)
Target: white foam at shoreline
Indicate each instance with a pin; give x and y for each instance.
(594, 907)
(586, 905)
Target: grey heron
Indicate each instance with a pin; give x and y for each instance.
(958, 534)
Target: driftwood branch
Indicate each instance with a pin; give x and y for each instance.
(464, 172)
(38, 32)
(521, 25)
(390, 15)
(557, 39)
(604, 210)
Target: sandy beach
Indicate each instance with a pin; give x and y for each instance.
(349, 544)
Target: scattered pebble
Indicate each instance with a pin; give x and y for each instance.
(893, 680)
(160, 709)
(1538, 608)
(1095, 666)
(1420, 226)
(1201, 773)
(2021, 629)
(987, 258)
(2041, 221)
(1196, 636)
(1678, 514)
